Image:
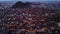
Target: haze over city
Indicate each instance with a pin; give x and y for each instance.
(30, 0)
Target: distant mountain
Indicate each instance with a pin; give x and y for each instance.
(21, 5)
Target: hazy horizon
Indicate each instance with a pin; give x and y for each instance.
(31, 0)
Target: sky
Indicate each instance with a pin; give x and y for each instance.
(30, 0)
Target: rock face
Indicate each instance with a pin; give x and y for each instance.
(21, 5)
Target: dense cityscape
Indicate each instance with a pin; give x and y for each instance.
(29, 18)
